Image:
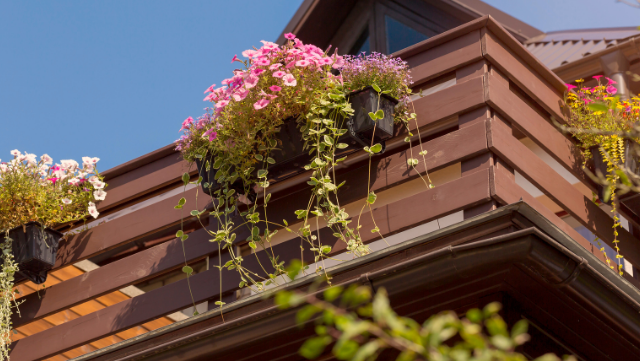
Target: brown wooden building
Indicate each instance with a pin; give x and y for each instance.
(510, 219)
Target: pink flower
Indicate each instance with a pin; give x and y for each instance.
(257, 71)
(261, 104)
(291, 65)
(187, 122)
(251, 81)
(249, 53)
(275, 66)
(235, 58)
(302, 63)
(279, 74)
(325, 61)
(611, 81)
(289, 80)
(99, 195)
(211, 133)
(222, 104)
(240, 94)
(93, 211)
(209, 97)
(611, 90)
(338, 61)
(275, 88)
(289, 36)
(209, 89)
(262, 62)
(52, 180)
(597, 77)
(570, 86)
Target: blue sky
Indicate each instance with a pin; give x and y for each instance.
(114, 79)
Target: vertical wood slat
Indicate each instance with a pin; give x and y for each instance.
(429, 205)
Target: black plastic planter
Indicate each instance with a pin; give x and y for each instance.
(34, 250)
(361, 127)
(289, 156)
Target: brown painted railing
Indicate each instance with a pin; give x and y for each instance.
(500, 90)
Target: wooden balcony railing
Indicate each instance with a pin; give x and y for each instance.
(495, 91)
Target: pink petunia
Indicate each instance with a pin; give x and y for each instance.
(275, 66)
(279, 74)
(257, 71)
(235, 58)
(325, 61)
(262, 62)
(338, 61)
(222, 104)
(240, 94)
(289, 80)
(275, 88)
(570, 86)
(249, 53)
(289, 36)
(611, 90)
(52, 180)
(210, 97)
(291, 65)
(209, 89)
(597, 77)
(251, 81)
(211, 134)
(303, 63)
(261, 104)
(611, 81)
(187, 122)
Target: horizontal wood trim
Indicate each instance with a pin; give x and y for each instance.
(429, 205)
(142, 222)
(536, 127)
(391, 170)
(445, 58)
(506, 191)
(145, 179)
(522, 75)
(138, 162)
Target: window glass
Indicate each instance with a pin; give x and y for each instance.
(362, 44)
(400, 36)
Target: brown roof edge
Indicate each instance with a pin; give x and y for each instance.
(509, 22)
(139, 162)
(305, 8)
(501, 33)
(590, 64)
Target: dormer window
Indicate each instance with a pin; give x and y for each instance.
(400, 35)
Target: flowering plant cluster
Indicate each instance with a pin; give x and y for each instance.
(38, 190)
(295, 82)
(390, 74)
(597, 118)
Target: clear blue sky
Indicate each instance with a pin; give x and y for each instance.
(114, 79)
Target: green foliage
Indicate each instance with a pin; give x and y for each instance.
(361, 325)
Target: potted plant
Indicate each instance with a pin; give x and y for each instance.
(597, 119)
(289, 110)
(36, 196)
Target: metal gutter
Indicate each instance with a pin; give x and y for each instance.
(543, 250)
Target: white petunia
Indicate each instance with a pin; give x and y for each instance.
(15, 153)
(46, 159)
(66, 201)
(89, 160)
(69, 164)
(31, 158)
(93, 211)
(99, 195)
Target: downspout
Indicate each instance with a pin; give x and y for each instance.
(615, 66)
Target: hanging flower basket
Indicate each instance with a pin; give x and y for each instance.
(34, 250)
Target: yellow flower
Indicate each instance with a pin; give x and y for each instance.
(580, 81)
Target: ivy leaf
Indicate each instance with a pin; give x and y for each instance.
(220, 303)
(380, 114)
(294, 268)
(302, 213)
(188, 270)
(262, 173)
(271, 160)
(376, 87)
(182, 201)
(185, 178)
(259, 157)
(342, 145)
(325, 249)
(313, 347)
(328, 140)
(252, 244)
(179, 234)
(195, 213)
(371, 199)
(372, 115)
(412, 162)
(376, 148)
